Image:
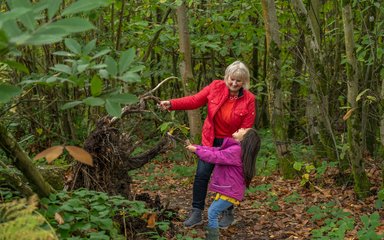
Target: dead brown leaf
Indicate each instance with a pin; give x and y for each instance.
(80, 155)
(50, 154)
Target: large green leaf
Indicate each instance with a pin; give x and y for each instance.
(62, 68)
(89, 47)
(17, 66)
(123, 98)
(72, 45)
(72, 25)
(12, 15)
(7, 92)
(125, 60)
(94, 101)
(53, 7)
(83, 6)
(3, 42)
(70, 105)
(111, 66)
(113, 109)
(130, 77)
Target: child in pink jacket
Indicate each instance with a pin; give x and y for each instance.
(234, 169)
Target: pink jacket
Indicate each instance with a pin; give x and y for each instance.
(214, 95)
(228, 175)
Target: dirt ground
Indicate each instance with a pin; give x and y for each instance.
(277, 210)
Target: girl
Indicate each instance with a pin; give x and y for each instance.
(234, 169)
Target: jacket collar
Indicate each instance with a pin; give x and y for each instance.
(228, 142)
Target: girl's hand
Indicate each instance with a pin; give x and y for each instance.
(164, 105)
(191, 148)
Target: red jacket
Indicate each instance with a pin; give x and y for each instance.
(214, 95)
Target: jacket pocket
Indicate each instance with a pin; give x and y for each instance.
(240, 113)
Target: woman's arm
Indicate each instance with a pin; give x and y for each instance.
(190, 102)
(249, 120)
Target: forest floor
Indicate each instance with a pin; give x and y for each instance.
(273, 208)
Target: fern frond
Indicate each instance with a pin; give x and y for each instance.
(18, 221)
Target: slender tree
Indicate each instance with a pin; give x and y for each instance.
(278, 118)
(194, 116)
(361, 180)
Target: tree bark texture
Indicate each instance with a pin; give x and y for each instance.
(194, 116)
(361, 180)
(22, 162)
(320, 128)
(278, 118)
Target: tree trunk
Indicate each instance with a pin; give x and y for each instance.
(362, 183)
(21, 160)
(278, 117)
(194, 116)
(320, 129)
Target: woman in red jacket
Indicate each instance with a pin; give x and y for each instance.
(230, 107)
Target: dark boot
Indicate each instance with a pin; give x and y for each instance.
(194, 219)
(227, 220)
(212, 234)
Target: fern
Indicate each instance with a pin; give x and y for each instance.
(19, 221)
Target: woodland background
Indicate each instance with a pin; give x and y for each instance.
(85, 76)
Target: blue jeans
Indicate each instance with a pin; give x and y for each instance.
(217, 207)
(203, 174)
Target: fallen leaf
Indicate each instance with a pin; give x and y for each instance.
(152, 221)
(59, 219)
(50, 154)
(80, 155)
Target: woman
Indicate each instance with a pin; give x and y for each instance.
(230, 107)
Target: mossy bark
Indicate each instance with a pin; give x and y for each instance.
(22, 162)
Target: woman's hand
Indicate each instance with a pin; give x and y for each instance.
(191, 148)
(165, 105)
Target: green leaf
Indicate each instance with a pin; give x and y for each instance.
(89, 47)
(62, 68)
(123, 98)
(53, 7)
(73, 45)
(70, 105)
(297, 165)
(81, 68)
(111, 66)
(3, 41)
(96, 86)
(137, 68)
(94, 101)
(130, 77)
(41, 39)
(113, 109)
(125, 60)
(64, 54)
(101, 53)
(72, 25)
(83, 6)
(17, 66)
(7, 92)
